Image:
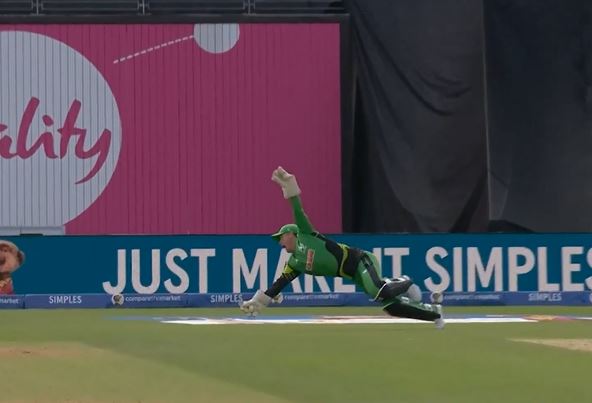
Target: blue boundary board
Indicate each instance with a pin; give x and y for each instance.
(61, 301)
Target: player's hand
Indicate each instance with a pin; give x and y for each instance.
(253, 306)
(278, 299)
(287, 181)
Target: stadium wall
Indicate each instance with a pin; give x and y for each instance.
(201, 270)
(167, 128)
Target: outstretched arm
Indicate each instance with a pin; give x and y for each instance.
(278, 285)
(300, 217)
(262, 299)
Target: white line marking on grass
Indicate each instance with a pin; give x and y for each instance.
(336, 321)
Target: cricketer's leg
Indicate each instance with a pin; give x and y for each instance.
(403, 307)
(368, 277)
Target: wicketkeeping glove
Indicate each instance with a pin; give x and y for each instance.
(287, 181)
(253, 306)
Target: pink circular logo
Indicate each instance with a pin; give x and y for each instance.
(60, 131)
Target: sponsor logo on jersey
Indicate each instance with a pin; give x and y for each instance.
(309, 259)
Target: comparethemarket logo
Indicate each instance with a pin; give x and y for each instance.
(60, 131)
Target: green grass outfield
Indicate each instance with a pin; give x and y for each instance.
(85, 356)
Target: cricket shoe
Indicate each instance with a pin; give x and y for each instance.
(440, 322)
(437, 298)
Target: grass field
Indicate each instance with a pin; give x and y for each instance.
(87, 356)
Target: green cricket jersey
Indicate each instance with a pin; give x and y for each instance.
(320, 256)
(314, 253)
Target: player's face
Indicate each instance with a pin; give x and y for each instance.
(8, 259)
(288, 241)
